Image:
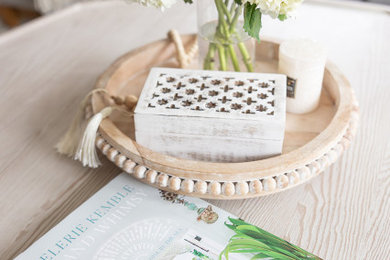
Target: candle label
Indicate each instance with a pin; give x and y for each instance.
(291, 83)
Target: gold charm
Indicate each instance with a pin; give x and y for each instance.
(207, 215)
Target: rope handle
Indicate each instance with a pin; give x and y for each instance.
(184, 58)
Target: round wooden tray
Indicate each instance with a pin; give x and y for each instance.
(312, 141)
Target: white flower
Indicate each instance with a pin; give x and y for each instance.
(274, 8)
(288, 7)
(161, 4)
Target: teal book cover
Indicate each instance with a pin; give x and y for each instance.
(127, 219)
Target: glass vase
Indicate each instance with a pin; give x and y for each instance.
(223, 43)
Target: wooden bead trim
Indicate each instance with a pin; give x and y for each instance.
(338, 133)
(239, 189)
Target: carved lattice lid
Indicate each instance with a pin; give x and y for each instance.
(213, 94)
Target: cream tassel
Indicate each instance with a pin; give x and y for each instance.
(86, 151)
(69, 142)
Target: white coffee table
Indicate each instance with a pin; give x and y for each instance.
(47, 66)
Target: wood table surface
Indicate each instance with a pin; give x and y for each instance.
(48, 65)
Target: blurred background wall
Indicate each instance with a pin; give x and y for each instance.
(45, 6)
(15, 12)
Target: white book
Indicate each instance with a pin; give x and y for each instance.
(127, 219)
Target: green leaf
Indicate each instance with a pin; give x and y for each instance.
(263, 241)
(282, 17)
(256, 250)
(225, 252)
(266, 237)
(294, 255)
(188, 1)
(259, 256)
(252, 231)
(232, 227)
(248, 243)
(252, 20)
(236, 221)
(239, 2)
(239, 236)
(276, 255)
(242, 251)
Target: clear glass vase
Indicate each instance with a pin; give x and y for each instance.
(223, 43)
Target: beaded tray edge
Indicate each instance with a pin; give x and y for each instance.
(230, 189)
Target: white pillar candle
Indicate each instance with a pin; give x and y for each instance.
(303, 61)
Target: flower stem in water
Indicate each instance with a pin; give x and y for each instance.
(222, 58)
(224, 39)
(245, 56)
(209, 60)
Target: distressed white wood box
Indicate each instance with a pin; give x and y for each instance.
(212, 115)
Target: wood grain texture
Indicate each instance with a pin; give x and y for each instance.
(48, 65)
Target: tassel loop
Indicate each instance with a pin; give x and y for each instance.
(69, 142)
(81, 146)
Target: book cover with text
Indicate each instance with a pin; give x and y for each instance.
(127, 219)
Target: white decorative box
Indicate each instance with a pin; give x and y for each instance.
(212, 115)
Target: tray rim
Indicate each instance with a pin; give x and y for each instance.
(231, 180)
